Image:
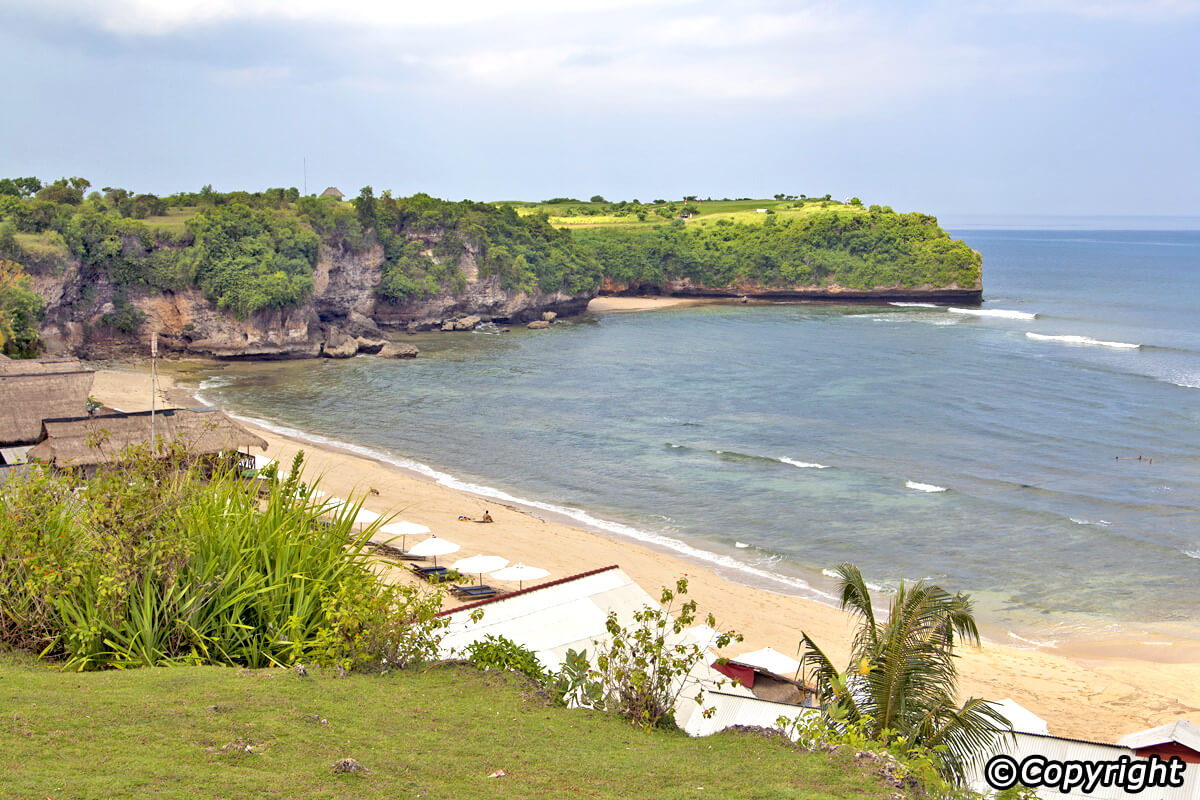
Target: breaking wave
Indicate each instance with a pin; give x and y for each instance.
(924, 487)
(1082, 340)
(803, 464)
(1001, 313)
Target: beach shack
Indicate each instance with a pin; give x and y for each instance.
(89, 441)
(32, 390)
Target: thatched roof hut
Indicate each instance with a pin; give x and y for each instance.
(333, 191)
(32, 390)
(88, 441)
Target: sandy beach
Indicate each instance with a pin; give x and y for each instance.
(616, 305)
(1090, 690)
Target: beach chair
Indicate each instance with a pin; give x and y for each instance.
(472, 592)
(431, 574)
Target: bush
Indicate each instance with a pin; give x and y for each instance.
(126, 318)
(499, 652)
(643, 670)
(152, 561)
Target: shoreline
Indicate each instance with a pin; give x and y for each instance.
(1088, 689)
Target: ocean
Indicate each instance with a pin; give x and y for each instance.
(1041, 453)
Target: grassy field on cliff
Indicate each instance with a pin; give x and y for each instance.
(211, 732)
(599, 216)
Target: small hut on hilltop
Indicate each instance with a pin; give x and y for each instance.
(333, 192)
(87, 442)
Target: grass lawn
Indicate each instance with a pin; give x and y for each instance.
(210, 732)
(174, 221)
(745, 211)
(46, 246)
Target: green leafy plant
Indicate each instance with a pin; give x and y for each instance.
(644, 669)
(499, 652)
(575, 683)
(162, 560)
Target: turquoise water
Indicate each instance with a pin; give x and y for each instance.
(996, 453)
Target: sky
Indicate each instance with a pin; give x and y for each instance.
(1001, 107)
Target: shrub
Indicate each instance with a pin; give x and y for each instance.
(155, 561)
(643, 670)
(499, 652)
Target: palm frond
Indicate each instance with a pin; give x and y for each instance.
(819, 671)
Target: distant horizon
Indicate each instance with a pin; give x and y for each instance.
(1070, 222)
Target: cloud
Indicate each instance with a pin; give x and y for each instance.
(163, 17)
(1150, 11)
(822, 59)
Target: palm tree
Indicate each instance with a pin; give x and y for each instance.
(902, 680)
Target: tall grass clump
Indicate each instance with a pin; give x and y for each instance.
(156, 561)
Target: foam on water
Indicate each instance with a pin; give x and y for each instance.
(924, 487)
(778, 581)
(1100, 522)
(914, 305)
(1032, 642)
(1192, 553)
(1000, 313)
(803, 464)
(1081, 341)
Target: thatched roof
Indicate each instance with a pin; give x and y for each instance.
(87, 441)
(333, 191)
(32, 390)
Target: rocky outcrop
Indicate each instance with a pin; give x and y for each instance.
(344, 316)
(397, 350)
(538, 324)
(952, 294)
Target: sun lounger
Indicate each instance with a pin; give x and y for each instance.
(474, 592)
(431, 574)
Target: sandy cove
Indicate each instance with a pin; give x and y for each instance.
(1096, 691)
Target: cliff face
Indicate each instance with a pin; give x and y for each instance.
(970, 295)
(344, 316)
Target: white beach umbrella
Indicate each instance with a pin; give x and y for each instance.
(520, 573)
(261, 461)
(770, 660)
(365, 517)
(403, 530)
(434, 547)
(480, 564)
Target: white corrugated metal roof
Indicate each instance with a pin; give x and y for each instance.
(571, 614)
(1181, 731)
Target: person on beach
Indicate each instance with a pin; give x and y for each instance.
(486, 516)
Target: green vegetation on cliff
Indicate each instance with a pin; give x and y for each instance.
(252, 251)
(870, 249)
(20, 311)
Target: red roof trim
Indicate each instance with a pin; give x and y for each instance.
(539, 587)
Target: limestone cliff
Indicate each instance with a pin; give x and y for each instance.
(953, 294)
(344, 315)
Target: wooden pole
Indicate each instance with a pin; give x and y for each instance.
(153, 387)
